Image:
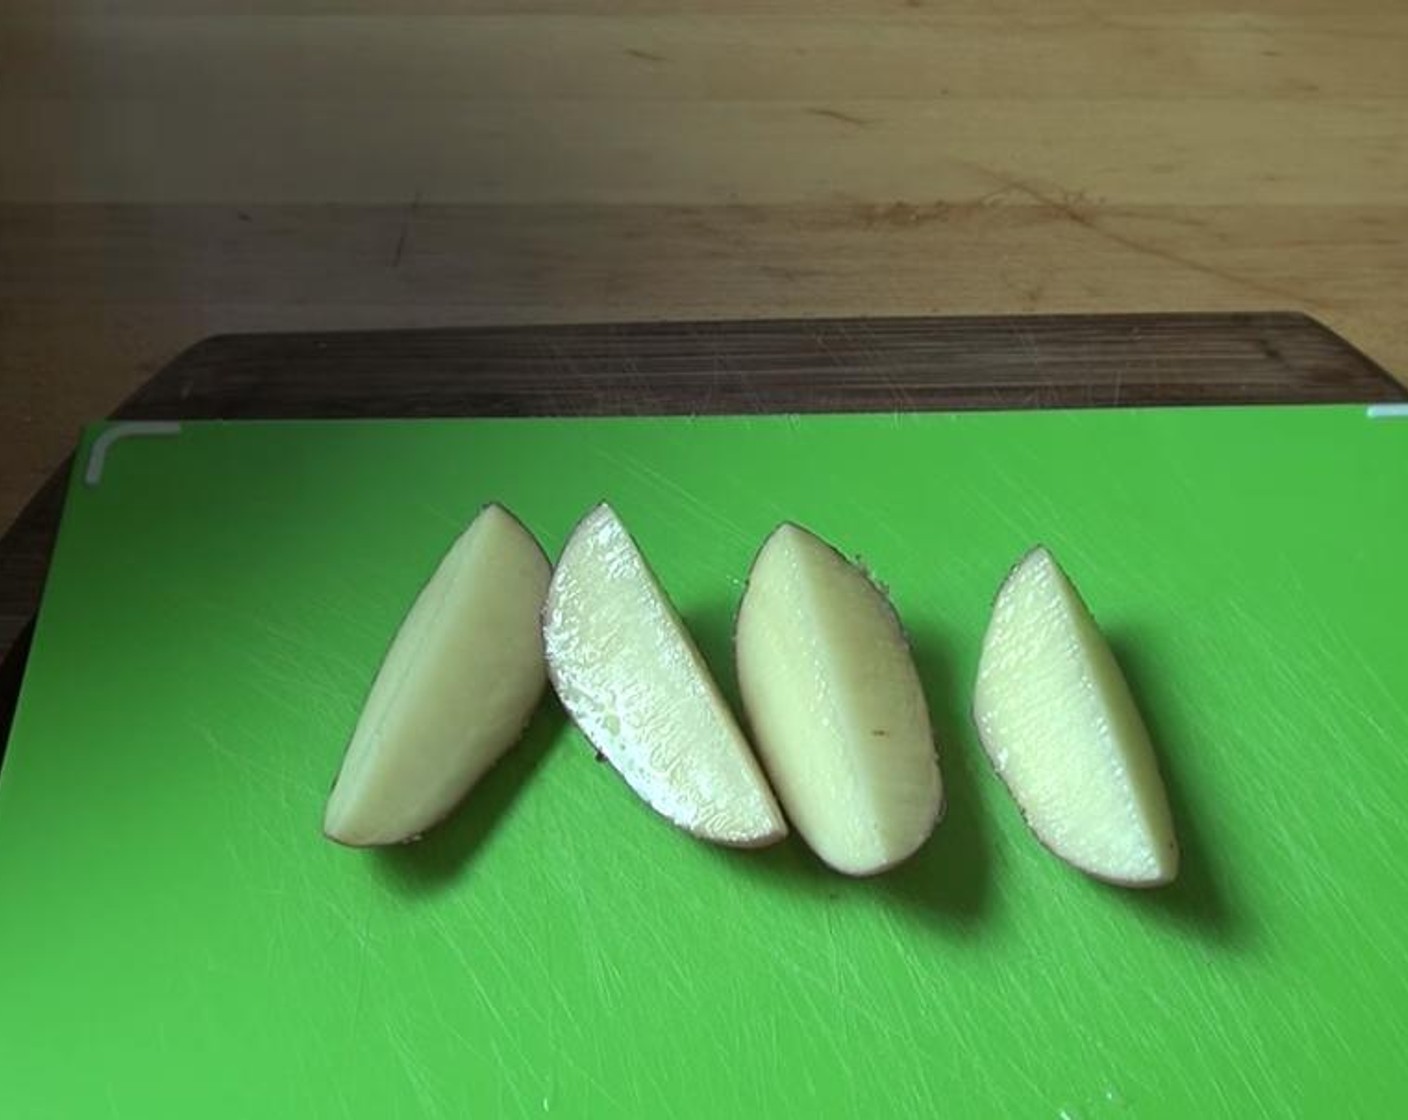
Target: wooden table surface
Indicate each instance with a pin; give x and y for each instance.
(174, 169)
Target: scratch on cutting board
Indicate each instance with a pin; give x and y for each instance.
(452, 937)
(823, 992)
(273, 778)
(304, 650)
(448, 1023)
(838, 986)
(1029, 345)
(662, 482)
(455, 523)
(901, 395)
(1330, 632)
(417, 1072)
(597, 1085)
(567, 1013)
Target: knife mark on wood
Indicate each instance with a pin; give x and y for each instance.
(406, 219)
(837, 115)
(1068, 208)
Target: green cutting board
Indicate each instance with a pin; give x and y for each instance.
(177, 939)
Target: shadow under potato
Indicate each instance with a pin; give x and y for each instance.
(711, 625)
(1201, 897)
(949, 879)
(434, 862)
(947, 883)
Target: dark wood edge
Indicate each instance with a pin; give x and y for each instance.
(716, 367)
(24, 562)
(11, 676)
(713, 367)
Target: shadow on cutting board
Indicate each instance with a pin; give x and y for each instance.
(433, 863)
(1200, 899)
(949, 879)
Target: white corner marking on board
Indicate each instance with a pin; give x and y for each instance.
(1388, 411)
(98, 454)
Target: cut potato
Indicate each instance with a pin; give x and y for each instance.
(457, 687)
(630, 676)
(835, 706)
(1056, 718)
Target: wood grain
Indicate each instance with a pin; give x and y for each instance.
(768, 366)
(176, 168)
(806, 54)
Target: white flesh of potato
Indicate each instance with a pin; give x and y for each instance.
(632, 679)
(458, 684)
(835, 705)
(1057, 720)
